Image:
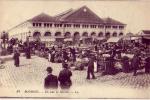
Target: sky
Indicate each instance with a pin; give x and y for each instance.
(134, 13)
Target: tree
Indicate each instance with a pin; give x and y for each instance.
(4, 38)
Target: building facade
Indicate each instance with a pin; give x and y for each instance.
(71, 25)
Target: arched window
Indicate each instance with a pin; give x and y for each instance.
(58, 34)
(93, 34)
(114, 34)
(76, 34)
(100, 34)
(76, 37)
(107, 34)
(47, 34)
(121, 34)
(67, 35)
(36, 34)
(85, 34)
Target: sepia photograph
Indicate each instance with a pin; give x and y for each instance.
(75, 49)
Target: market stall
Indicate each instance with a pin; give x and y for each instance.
(113, 40)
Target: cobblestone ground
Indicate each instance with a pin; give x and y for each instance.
(31, 73)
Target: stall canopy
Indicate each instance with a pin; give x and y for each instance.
(48, 40)
(82, 38)
(113, 39)
(131, 38)
(146, 40)
(100, 38)
(68, 39)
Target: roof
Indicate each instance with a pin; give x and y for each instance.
(42, 18)
(147, 38)
(146, 31)
(59, 16)
(112, 21)
(81, 15)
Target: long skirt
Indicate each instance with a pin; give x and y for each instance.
(16, 63)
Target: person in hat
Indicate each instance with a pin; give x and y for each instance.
(65, 55)
(16, 58)
(135, 63)
(52, 59)
(51, 80)
(65, 77)
(28, 52)
(90, 70)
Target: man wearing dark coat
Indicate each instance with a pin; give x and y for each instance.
(73, 54)
(96, 48)
(109, 68)
(16, 58)
(28, 53)
(135, 63)
(90, 70)
(113, 53)
(65, 77)
(126, 65)
(51, 80)
(52, 56)
(65, 55)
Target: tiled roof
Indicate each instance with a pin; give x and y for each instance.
(112, 21)
(42, 18)
(59, 16)
(146, 31)
(81, 15)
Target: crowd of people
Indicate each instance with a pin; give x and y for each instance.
(107, 58)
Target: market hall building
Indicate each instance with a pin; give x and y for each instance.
(78, 26)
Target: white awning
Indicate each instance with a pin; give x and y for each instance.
(82, 38)
(68, 39)
(128, 55)
(100, 38)
(31, 39)
(126, 38)
(113, 39)
(131, 38)
(48, 40)
(134, 38)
